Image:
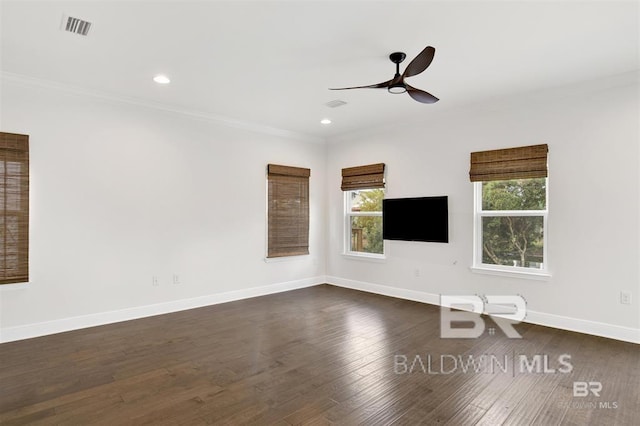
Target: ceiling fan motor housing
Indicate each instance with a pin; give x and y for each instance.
(397, 57)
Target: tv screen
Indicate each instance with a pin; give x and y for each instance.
(416, 219)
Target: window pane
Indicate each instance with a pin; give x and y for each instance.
(366, 234)
(513, 241)
(366, 200)
(519, 194)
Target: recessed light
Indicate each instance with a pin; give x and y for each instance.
(161, 79)
(325, 121)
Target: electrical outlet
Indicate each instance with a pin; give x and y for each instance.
(176, 279)
(416, 272)
(625, 298)
(154, 281)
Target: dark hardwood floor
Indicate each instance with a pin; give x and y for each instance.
(321, 355)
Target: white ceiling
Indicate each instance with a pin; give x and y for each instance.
(270, 63)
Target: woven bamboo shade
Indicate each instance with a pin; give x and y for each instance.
(288, 211)
(363, 177)
(14, 204)
(512, 163)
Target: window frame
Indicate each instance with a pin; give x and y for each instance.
(513, 271)
(347, 215)
(279, 175)
(16, 144)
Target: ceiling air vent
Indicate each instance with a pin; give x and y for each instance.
(335, 104)
(75, 25)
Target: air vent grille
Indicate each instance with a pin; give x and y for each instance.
(335, 104)
(75, 25)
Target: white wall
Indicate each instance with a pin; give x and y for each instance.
(593, 135)
(121, 192)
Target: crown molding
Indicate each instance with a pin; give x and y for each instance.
(213, 118)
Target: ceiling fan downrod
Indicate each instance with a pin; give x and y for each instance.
(397, 85)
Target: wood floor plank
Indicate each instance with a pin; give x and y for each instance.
(456, 391)
(468, 415)
(322, 356)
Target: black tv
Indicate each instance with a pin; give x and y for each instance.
(416, 219)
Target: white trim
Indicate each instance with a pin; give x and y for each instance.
(347, 253)
(400, 293)
(367, 257)
(218, 119)
(513, 272)
(627, 334)
(28, 331)
(502, 270)
(294, 258)
(498, 213)
(611, 331)
(364, 214)
(14, 286)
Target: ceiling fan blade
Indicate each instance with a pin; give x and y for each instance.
(420, 62)
(421, 95)
(371, 86)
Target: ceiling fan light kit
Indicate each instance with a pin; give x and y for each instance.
(397, 85)
(397, 88)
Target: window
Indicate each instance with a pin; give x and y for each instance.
(364, 221)
(511, 191)
(14, 205)
(511, 217)
(363, 188)
(288, 211)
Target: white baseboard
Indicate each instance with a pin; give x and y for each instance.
(617, 332)
(400, 293)
(74, 323)
(28, 331)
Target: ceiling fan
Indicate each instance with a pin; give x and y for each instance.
(397, 84)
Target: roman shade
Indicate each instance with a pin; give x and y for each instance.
(512, 163)
(14, 204)
(288, 211)
(363, 177)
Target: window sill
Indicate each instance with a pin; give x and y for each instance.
(14, 286)
(297, 257)
(539, 276)
(379, 258)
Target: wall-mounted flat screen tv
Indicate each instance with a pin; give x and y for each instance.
(416, 219)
